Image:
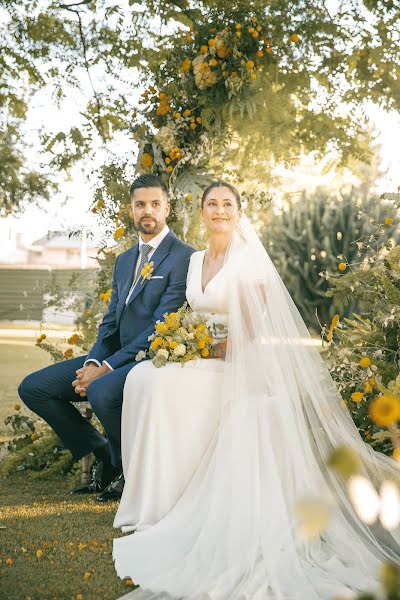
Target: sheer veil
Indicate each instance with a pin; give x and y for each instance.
(232, 534)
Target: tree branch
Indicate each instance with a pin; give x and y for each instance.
(86, 61)
(69, 6)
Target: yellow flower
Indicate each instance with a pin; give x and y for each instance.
(342, 266)
(173, 344)
(238, 34)
(74, 339)
(205, 353)
(396, 454)
(119, 232)
(253, 76)
(189, 36)
(213, 62)
(388, 221)
(211, 43)
(250, 29)
(365, 362)
(385, 410)
(250, 64)
(201, 327)
(259, 53)
(238, 26)
(255, 34)
(160, 327)
(106, 295)
(234, 73)
(156, 343)
(222, 50)
(199, 120)
(187, 113)
(39, 553)
(170, 169)
(163, 96)
(201, 344)
(17, 407)
(189, 197)
(294, 38)
(87, 575)
(79, 597)
(34, 437)
(177, 115)
(193, 125)
(68, 353)
(204, 49)
(357, 397)
(268, 49)
(185, 66)
(147, 271)
(147, 160)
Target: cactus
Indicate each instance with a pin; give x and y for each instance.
(306, 240)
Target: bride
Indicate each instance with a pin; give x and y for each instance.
(217, 453)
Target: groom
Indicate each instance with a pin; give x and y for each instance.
(136, 304)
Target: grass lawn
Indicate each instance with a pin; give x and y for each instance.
(18, 357)
(60, 545)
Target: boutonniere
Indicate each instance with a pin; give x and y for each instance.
(147, 271)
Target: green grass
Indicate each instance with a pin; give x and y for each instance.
(74, 534)
(18, 357)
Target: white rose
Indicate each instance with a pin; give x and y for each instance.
(140, 355)
(180, 350)
(163, 353)
(165, 137)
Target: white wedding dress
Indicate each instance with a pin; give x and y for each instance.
(216, 455)
(169, 417)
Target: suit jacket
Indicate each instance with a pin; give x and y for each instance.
(126, 327)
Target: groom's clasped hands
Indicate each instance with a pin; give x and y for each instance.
(86, 375)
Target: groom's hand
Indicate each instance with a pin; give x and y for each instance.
(85, 376)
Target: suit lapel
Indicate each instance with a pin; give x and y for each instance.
(159, 255)
(131, 261)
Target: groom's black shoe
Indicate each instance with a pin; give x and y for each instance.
(101, 474)
(113, 491)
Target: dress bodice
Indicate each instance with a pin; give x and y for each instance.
(213, 300)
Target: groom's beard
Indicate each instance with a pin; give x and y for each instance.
(151, 227)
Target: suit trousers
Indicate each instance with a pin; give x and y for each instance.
(49, 393)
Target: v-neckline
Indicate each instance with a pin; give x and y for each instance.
(203, 291)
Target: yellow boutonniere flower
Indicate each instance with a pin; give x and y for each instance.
(147, 271)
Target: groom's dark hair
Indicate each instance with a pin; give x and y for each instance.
(217, 184)
(148, 181)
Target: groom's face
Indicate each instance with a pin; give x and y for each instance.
(149, 210)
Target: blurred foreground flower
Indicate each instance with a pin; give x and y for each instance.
(313, 517)
(367, 502)
(385, 410)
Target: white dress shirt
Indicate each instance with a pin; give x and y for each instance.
(154, 243)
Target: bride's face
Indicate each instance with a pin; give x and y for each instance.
(220, 211)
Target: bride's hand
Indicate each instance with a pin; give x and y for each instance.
(219, 350)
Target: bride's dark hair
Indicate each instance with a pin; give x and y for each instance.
(216, 184)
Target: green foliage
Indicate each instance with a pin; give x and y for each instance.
(308, 239)
(285, 105)
(40, 454)
(43, 458)
(372, 281)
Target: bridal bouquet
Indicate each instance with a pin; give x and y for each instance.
(180, 337)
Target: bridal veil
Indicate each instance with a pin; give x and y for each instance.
(233, 533)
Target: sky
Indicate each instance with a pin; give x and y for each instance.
(69, 208)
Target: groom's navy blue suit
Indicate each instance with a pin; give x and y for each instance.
(122, 333)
